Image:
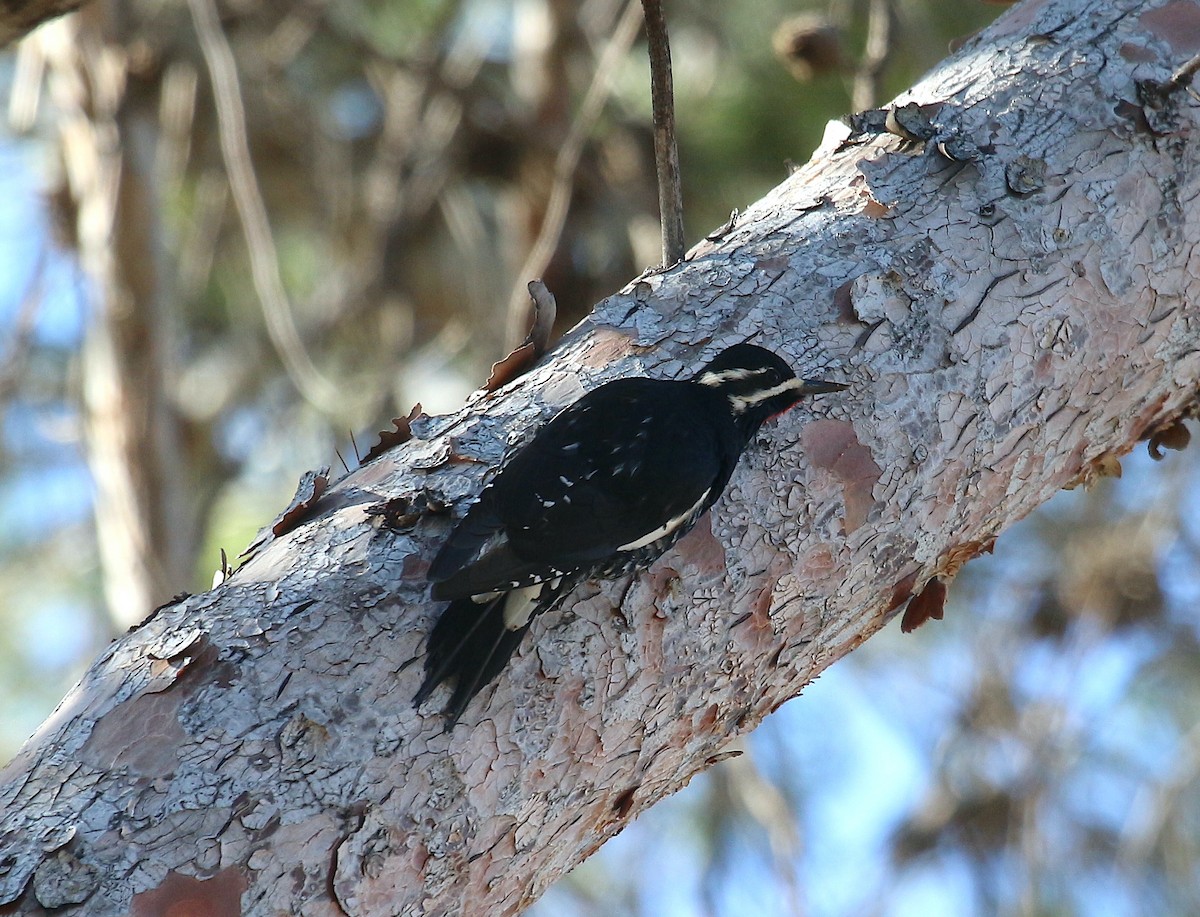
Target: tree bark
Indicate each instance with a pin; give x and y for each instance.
(1013, 317)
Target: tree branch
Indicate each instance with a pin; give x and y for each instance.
(1014, 319)
(666, 149)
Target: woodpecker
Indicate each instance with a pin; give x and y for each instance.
(603, 489)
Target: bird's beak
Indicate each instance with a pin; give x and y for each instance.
(818, 387)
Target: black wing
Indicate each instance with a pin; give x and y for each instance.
(604, 474)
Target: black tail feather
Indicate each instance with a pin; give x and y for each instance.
(470, 644)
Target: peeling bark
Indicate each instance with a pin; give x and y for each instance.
(1012, 320)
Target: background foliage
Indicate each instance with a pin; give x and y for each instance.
(1036, 753)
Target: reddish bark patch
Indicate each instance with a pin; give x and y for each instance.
(312, 485)
(833, 445)
(606, 346)
(902, 592)
(758, 603)
(536, 343)
(1177, 23)
(1149, 418)
(141, 735)
(701, 551)
(401, 432)
(1176, 436)
(661, 580)
(760, 606)
(875, 210)
(774, 266)
(929, 604)
(414, 567)
(624, 802)
(843, 300)
(1020, 19)
(1137, 54)
(186, 896)
(818, 562)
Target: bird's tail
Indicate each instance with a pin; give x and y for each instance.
(470, 643)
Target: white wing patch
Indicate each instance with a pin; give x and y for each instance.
(519, 606)
(667, 527)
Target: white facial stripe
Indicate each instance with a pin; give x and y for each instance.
(667, 527)
(740, 403)
(730, 375)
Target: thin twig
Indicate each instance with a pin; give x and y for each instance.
(565, 164)
(1184, 74)
(1182, 79)
(264, 257)
(666, 150)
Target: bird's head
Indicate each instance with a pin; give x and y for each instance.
(758, 383)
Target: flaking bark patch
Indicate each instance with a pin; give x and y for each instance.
(834, 446)
(179, 894)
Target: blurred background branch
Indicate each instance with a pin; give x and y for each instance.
(18, 19)
(264, 257)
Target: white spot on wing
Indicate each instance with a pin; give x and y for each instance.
(519, 605)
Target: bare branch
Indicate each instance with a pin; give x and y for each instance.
(666, 150)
